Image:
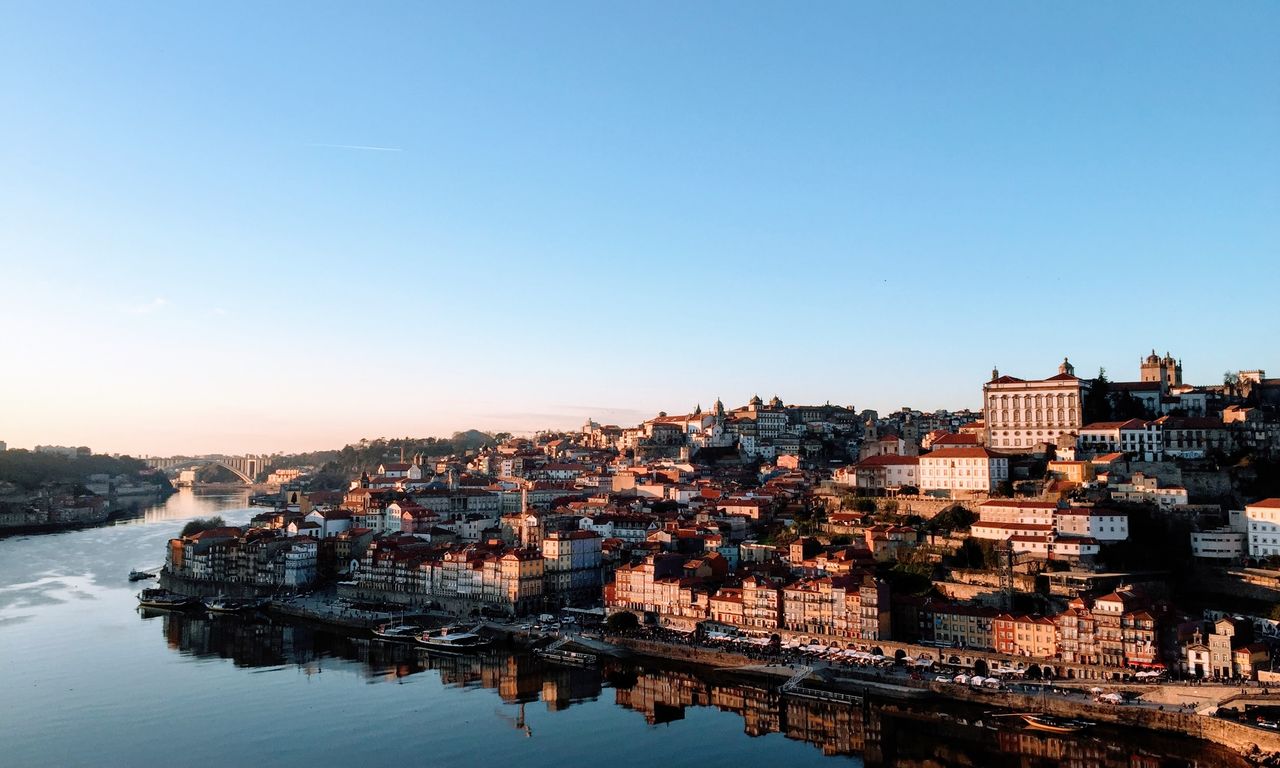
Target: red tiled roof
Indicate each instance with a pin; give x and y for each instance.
(1018, 504)
(949, 439)
(888, 459)
(963, 453)
(1130, 424)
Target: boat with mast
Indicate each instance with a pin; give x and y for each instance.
(454, 640)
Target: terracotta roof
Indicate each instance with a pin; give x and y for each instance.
(949, 439)
(1015, 526)
(888, 459)
(1130, 424)
(963, 453)
(1019, 504)
(1266, 504)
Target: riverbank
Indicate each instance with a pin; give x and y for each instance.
(34, 522)
(1257, 744)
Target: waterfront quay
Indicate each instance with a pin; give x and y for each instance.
(1181, 708)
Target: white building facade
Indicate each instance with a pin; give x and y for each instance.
(1020, 414)
(966, 470)
(1263, 521)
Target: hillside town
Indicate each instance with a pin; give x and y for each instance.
(55, 487)
(1071, 528)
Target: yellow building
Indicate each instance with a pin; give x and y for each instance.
(1072, 471)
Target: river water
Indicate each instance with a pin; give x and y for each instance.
(87, 679)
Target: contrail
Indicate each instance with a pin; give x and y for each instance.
(358, 146)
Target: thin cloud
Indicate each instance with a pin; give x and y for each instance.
(218, 312)
(360, 147)
(150, 307)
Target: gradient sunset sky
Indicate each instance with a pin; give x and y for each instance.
(286, 226)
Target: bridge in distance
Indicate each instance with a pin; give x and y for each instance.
(246, 468)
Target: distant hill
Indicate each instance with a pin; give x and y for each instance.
(367, 454)
(31, 470)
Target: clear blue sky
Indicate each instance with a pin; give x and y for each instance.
(609, 209)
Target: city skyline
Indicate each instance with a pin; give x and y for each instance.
(571, 417)
(285, 229)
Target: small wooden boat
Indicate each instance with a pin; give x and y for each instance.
(163, 598)
(140, 575)
(1053, 724)
(221, 604)
(404, 633)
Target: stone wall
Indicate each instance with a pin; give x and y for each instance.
(1021, 581)
(683, 653)
(1206, 485)
(455, 606)
(201, 588)
(1167, 472)
(983, 593)
(1236, 736)
(928, 507)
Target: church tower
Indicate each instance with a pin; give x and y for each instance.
(1172, 371)
(1166, 370)
(1151, 369)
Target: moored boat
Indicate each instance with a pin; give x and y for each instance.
(221, 604)
(163, 598)
(140, 575)
(1053, 724)
(572, 658)
(406, 633)
(453, 640)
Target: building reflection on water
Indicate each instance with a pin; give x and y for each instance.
(881, 733)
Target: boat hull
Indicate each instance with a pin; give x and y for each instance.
(457, 646)
(1049, 726)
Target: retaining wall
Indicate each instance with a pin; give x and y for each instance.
(202, 588)
(1236, 736)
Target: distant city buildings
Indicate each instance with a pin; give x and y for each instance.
(781, 524)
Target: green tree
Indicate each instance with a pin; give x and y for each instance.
(622, 621)
(201, 524)
(1097, 401)
(953, 518)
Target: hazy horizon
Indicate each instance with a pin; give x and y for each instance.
(283, 228)
(572, 417)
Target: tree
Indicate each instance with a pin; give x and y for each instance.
(953, 518)
(622, 621)
(1097, 401)
(201, 524)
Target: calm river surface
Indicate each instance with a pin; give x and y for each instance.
(86, 679)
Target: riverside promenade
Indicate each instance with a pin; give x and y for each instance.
(1169, 707)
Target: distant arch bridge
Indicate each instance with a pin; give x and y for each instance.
(247, 468)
